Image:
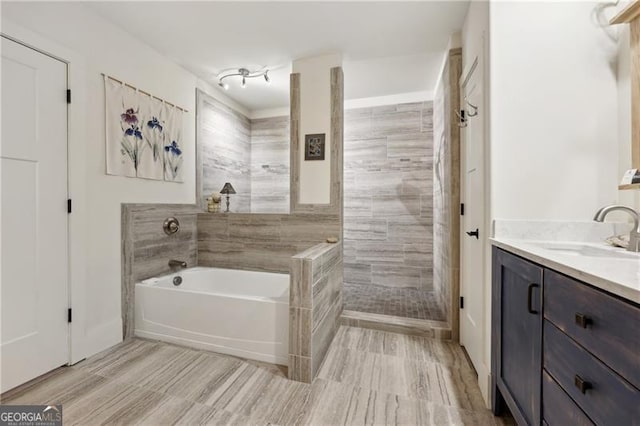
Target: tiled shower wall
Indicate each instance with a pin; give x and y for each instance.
(251, 154)
(446, 219)
(225, 147)
(388, 208)
(270, 165)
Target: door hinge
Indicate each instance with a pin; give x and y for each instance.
(69, 315)
(68, 96)
(69, 205)
(462, 121)
(461, 302)
(461, 209)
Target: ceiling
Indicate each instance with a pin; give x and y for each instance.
(388, 47)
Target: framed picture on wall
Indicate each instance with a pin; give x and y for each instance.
(314, 147)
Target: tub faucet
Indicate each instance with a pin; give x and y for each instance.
(634, 236)
(177, 264)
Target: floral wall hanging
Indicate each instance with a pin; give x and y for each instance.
(143, 134)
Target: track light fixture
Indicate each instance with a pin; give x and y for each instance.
(244, 73)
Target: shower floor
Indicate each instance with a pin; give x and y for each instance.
(394, 301)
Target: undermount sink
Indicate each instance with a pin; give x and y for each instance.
(587, 250)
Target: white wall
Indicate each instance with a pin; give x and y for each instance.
(315, 117)
(554, 150)
(399, 98)
(621, 32)
(95, 46)
(390, 75)
(554, 131)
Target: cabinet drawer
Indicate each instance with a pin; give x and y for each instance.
(606, 326)
(606, 398)
(557, 408)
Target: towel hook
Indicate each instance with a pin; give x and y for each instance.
(474, 108)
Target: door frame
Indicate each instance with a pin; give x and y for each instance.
(464, 80)
(76, 186)
(480, 56)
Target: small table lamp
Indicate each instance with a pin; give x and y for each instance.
(227, 189)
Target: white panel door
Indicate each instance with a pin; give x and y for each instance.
(33, 170)
(473, 197)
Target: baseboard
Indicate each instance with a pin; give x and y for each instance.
(410, 326)
(103, 337)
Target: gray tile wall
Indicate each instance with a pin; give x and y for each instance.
(388, 196)
(146, 249)
(446, 200)
(315, 307)
(224, 140)
(270, 165)
(260, 242)
(251, 154)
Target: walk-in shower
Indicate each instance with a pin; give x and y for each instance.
(388, 224)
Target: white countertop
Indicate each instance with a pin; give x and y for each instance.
(617, 272)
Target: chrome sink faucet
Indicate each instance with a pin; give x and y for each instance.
(176, 265)
(634, 236)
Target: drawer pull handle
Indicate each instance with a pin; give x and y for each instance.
(582, 320)
(582, 384)
(529, 297)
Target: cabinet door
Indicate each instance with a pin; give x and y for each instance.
(517, 335)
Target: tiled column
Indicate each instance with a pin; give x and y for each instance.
(315, 306)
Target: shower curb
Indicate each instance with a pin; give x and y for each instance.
(410, 326)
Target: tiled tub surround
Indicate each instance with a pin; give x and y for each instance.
(315, 306)
(388, 203)
(543, 243)
(253, 242)
(251, 154)
(146, 249)
(446, 191)
(260, 242)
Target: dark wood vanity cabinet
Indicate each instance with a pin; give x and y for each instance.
(577, 351)
(517, 336)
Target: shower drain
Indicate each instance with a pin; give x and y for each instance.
(177, 280)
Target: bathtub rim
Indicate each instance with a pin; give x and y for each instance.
(153, 283)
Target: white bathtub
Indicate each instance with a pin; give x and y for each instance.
(241, 313)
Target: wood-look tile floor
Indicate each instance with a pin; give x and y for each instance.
(368, 377)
